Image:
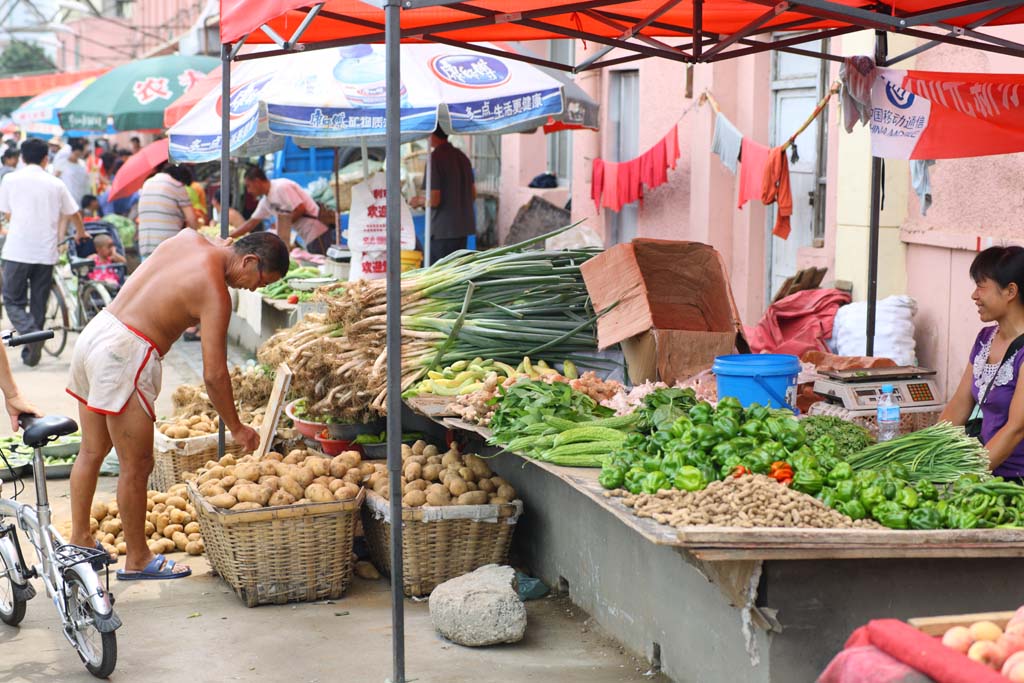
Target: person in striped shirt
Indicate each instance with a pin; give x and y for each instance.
(164, 207)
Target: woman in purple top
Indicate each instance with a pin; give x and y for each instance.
(998, 273)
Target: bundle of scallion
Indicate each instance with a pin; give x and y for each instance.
(503, 304)
(940, 454)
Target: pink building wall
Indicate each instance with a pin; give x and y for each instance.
(699, 201)
(978, 201)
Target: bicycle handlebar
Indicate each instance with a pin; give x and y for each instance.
(11, 339)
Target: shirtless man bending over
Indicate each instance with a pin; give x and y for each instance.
(115, 371)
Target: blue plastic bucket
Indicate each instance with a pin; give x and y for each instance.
(768, 379)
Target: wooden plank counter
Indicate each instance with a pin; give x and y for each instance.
(733, 604)
(431, 406)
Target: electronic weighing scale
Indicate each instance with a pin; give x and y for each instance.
(913, 387)
(853, 395)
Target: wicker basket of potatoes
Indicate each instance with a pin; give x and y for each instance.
(456, 516)
(183, 444)
(280, 529)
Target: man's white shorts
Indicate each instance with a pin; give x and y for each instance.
(111, 361)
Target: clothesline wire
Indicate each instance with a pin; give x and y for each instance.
(707, 97)
(693, 105)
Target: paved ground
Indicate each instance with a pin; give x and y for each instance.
(197, 630)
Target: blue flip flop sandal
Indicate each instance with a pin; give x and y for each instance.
(159, 568)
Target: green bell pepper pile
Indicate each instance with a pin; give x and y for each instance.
(686, 444)
(693, 443)
(886, 496)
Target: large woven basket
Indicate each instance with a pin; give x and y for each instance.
(174, 457)
(440, 543)
(281, 554)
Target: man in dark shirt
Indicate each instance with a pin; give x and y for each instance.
(452, 193)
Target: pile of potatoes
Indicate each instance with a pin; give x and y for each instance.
(205, 423)
(430, 478)
(303, 476)
(187, 427)
(170, 524)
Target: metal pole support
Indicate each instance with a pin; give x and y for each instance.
(392, 41)
(225, 180)
(874, 228)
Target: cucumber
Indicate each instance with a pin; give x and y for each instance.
(560, 423)
(524, 443)
(588, 448)
(538, 428)
(617, 422)
(588, 434)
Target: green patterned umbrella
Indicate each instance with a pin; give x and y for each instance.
(134, 95)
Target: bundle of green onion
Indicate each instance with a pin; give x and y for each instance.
(503, 304)
(940, 454)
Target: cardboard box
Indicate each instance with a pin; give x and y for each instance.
(672, 307)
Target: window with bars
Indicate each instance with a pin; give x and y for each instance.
(560, 144)
(484, 152)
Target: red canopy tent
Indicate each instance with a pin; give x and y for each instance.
(712, 29)
(689, 31)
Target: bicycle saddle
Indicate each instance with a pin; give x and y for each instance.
(40, 430)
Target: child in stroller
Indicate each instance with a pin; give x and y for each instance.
(105, 251)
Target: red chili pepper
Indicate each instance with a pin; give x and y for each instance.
(782, 473)
(786, 482)
(739, 471)
(778, 464)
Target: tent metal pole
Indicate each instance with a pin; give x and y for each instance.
(427, 191)
(225, 180)
(881, 49)
(392, 151)
(337, 200)
(698, 28)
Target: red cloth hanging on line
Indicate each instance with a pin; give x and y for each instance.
(630, 187)
(658, 159)
(776, 189)
(611, 197)
(597, 182)
(616, 184)
(753, 159)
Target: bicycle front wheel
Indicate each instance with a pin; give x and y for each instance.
(58, 320)
(97, 648)
(94, 296)
(12, 610)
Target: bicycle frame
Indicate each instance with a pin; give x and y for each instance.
(62, 275)
(35, 523)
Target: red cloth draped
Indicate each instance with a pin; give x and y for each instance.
(799, 323)
(753, 159)
(776, 189)
(615, 184)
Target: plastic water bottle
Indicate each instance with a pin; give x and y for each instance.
(888, 415)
